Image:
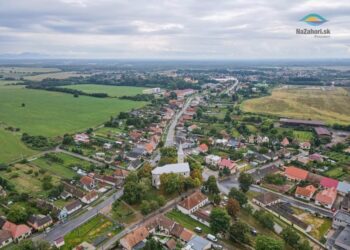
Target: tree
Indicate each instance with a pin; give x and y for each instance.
(305, 245)
(219, 220)
(268, 243)
(232, 207)
(239, 196)
(67, 140)
(211, 186)
(217, 199)
(145, 207)
(239, 232)
(171, 183)
(152, 244)
(265, 219)
(245, 181)
(290, 237)
(173, 95)
(145, 171)
(17, 214)
(33, 245)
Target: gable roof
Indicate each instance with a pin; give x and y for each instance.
(171, 244)
(39, 220)
(73, 205)
(203, 147)
(172, 168)
(177, 230)
(326, 196)
(4, 236)
(267, 198)
(329, 182)
(16, 230)
(86, 180)
(134, 237)
(186, 235)
(343, 187)
(307, 191)
(296, 173)
(193, 200)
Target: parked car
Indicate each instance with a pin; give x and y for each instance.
(212, 238)
(198, 229)
(217, 247)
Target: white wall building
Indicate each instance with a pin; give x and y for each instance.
(177, 168)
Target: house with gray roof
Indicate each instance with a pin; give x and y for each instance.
(198, 243)
(341, 219)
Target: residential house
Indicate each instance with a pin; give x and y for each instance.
(193, 202)
(341, 219)
(203, 148)
(230, 165)
(177, 168)
(305, 145)
(160, 223)
(295, 174)
(326, 197)
(329, 183)
(316, 157)
(285, 142)
(5, 238)
(18, 232)
(305, 193)
(81, 138)
(85, 246)
(74, 191)
(109, 180)
(90, 197)
(59, 242)
(171, 244)
(340, 239)
(345, 203)
(198, 243)
(136, 153)
(87, 182)
(271, 156)
(212, 160)
(322, 132)
(343, 188)
(266, 199)
(72, 207)
(120, 173)
(135, 239)
(39, 222)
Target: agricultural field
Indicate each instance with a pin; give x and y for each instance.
(113, 91)
(12, 148)
(97, 227)
(28, 178)
(107, 132)
(53, 75)
(54, 114)
(26, 70)
(329, 105)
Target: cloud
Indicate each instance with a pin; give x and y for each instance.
(191, 29)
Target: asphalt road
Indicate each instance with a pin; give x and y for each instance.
(68, 226)
(171, 132)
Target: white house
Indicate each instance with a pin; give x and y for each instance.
(193, 202)
(177, 168)
(212, 160)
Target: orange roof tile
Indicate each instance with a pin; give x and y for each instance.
(193, 200)
(16, 230)
(296, 173)
(326, 196)
(307, 191)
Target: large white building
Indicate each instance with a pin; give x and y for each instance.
(177, 168)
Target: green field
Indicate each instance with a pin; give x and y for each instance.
(53, 114)
(329, 105)
(54, 75)
(99, 226)
(114, 91)
(12, 147)
(24, 179)
(186, 221)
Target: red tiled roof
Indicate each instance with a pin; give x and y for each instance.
(203, 147)
(86, 180)
(329, 182)
(135, 237)
(285, 141)
(307, 191)
(326, 196)
(296, 173)
(16, 230)
(193, 200)
(226, 163)
(186, 235)
(121, 172)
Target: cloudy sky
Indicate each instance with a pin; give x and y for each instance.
(172, 29)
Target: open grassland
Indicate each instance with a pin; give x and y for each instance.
(11, 147)
(53, 114)
(114, 91)
(28, 178)
(54, 75)
(330, 105)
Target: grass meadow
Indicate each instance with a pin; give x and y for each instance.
(331, 105)
(54, 114)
